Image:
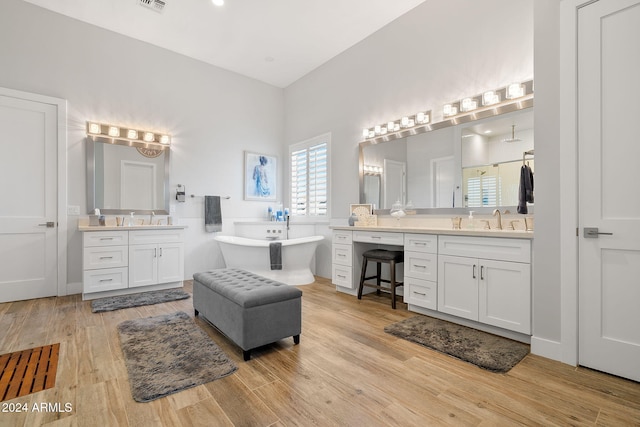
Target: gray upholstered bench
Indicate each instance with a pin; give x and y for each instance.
(250, 310)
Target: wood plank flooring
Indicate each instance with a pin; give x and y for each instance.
(345, 372)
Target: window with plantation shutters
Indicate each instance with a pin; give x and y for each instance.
(483, 191)
(310, 176)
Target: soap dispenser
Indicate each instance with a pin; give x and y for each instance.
(132, 220)
(471, 222)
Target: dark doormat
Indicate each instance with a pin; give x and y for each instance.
(169, 353)
(487, 351)
(28, 371)
(137, 300)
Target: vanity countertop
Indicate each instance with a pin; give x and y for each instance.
(512, 234)
(132, 227)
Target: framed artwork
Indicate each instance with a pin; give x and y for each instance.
(260, 176)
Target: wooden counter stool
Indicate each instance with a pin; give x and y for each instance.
(381, 256)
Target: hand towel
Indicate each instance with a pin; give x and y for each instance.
(212, 214)
(525, 190)
(275, 255)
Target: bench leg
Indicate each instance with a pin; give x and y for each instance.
(196, 312)
(296, 339)
(246, 355)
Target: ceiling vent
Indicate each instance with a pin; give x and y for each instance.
(157, 5)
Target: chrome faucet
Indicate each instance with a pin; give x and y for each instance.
(152, 217)
(497, 211)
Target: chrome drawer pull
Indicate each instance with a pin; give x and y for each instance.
(376, 237)
(106, 238)
(419, 266)
(106, 257)
(106, 280)
(341, 276)
(420, 293)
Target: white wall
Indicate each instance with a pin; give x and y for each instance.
(547, 308)
(212, 114)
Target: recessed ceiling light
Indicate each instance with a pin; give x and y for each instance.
(487, 131)
(218, 2)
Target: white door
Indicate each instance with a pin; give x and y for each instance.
(443, 177)
(394, 182)
(609, 152)
(138, 184)
(28, 173)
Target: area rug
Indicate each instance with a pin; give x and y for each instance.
(487, 351)
(169, 353)
(137, 300)
(28, 371)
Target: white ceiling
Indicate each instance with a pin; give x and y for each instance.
(275, 41)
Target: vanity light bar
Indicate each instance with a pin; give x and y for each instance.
(127, 134)
(372, 170)
(488, 98)
(421, 118)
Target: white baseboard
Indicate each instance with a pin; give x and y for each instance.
(546, 348)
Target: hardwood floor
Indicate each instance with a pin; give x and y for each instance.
(346, 371)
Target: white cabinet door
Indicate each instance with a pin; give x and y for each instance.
(170, 263)
(143, 265)
(505, 295)
(458, 286)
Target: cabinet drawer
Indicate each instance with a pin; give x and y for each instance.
(422, 293)
(340, 236)
(505, 249)
(342, 254)
(105, 238)
(421, 265)
(143, 237)
(380, 237)
(105, 257)
(105, 280)
(421, 243)
(341, 275)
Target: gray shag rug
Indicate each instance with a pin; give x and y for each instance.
(169, 353)
(487, 351)
(137, 300)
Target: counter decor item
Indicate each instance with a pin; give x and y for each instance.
(364, 215)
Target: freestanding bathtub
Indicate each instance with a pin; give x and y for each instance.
(253, 255)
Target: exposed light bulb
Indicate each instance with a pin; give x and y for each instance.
(132, 134)
(449, 110)
(149, 137)
(164, 139)
(515, 90)
(94, 128)
(468, 104)
(114, 131)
